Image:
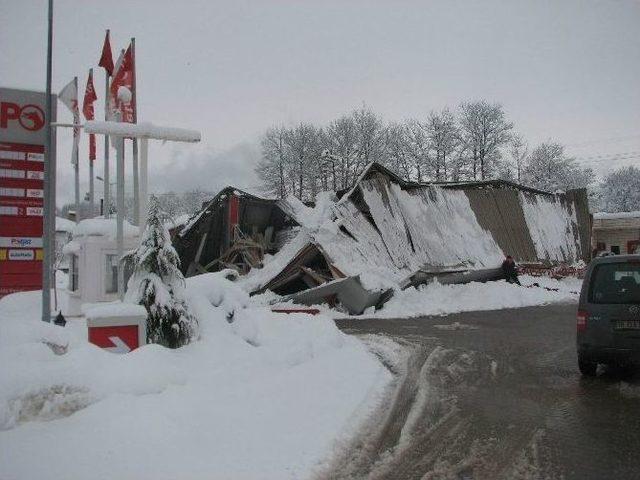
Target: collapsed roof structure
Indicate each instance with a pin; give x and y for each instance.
(383, 230)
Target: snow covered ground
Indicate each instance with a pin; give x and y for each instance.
(266, 396)
(437, 299)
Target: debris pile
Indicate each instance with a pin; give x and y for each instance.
(356, 247)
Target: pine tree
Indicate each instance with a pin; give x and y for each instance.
(158, 285)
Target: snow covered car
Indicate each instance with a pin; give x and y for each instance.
(608, 320)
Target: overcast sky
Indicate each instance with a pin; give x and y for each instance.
(567, 70)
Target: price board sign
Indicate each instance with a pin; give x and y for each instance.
(22, 140)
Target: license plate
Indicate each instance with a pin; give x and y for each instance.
(626, 325)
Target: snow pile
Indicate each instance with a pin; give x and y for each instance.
(311, 218)
(437, 299)
(272, 265)
(112, 309)
(262, 397)
(553, 229)
(103, 227)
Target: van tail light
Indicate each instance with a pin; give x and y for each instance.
(581, 320)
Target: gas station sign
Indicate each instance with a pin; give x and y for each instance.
(22, 140)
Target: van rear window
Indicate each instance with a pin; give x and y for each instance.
(615, 283)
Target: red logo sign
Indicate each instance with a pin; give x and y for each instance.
(116, 339)
(30, 117)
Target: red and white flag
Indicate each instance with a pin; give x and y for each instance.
(122, 98)
(87, 109)
(69, 96)
(106, 58)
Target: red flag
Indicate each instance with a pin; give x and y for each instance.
(122, 88)
(106, 59)
(87, 110)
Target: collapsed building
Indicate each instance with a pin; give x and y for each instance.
(383, 231)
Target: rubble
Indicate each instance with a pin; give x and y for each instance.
(384, 234)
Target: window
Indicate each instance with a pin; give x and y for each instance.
(615, 249)
(615, 283)
(73, 274)
(111, 274)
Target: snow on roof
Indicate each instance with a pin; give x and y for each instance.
(178, 221)
(71, 248)
(142, 130)
(64, 225)
(115, 309)
(101, 227)
(617, 215)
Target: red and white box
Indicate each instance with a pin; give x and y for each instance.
(117, 327)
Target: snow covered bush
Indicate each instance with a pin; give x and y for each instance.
(158, 285)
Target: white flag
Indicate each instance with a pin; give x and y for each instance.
(69, 96)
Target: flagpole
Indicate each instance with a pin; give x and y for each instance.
(120, 211)
(49, 182)
(91, 191)
(136, 184)
(107, 201)
(74, 159)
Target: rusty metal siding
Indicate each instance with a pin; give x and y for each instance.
(580, 202)
(500, 213)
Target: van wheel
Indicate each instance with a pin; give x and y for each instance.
(587, 366)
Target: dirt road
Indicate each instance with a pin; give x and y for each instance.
(491, 395)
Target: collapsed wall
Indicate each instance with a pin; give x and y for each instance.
(385, 229)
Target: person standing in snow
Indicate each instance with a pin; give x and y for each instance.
(510, 271)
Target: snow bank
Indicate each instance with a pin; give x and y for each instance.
(103, 227)
(263, 397)
(437, 299)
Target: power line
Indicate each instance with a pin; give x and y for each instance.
(603, 140)
(610, 157)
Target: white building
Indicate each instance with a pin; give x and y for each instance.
(616, 232)
(93, 260)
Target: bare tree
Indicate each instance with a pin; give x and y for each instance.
(275, 163)
(518, 150)
(303, 146)
(370, 136)
(550, 169)
(397, 150)
(418, 147)
(483, 130)
(621, 190)
(442, 132)
(341, 151)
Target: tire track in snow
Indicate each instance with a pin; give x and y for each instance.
(430, 431)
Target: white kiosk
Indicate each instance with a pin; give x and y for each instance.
(92, 256)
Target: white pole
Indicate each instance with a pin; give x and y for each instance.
(105, 175)
(136, 191)
(120, 213)
(91, 192)
(144, 148)
(76, 170)
(136, 182)
(76, 160)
